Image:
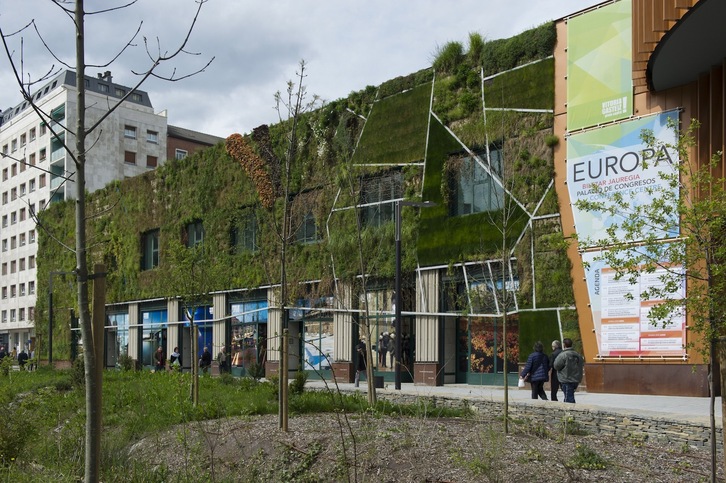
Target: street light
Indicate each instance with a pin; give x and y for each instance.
(397, 298)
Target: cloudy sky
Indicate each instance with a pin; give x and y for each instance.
(257, 46)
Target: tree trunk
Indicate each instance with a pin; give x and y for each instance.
(93, 390)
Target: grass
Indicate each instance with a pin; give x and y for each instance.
(42, 430)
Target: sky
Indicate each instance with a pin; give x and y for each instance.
(257, 46)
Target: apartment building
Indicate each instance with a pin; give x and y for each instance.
(37, 171)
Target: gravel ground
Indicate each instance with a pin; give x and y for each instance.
(375, 448)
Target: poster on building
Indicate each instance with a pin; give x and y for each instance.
(620, 315)
(599, 66)
(614, 160)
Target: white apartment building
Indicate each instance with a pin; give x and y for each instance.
(37, 171)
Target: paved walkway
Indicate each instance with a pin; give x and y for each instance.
(691, 409)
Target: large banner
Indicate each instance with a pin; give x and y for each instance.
(615, 160)
(599, 66)
(620, 316)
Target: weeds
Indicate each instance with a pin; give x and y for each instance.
(587, 459)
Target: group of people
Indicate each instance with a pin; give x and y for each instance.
(21, 357)
(564, 367)
(205, 359)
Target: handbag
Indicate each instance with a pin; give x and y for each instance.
(520, 383)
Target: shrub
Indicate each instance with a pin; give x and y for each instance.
(448, 57)
(587, 459)
(552, 140)
(125, 362)
(256, 371)
(297, 385)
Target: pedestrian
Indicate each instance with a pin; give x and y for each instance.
(160, 359)
(22, 359)
(222, 360)
(383, 348)
(537, 371)
(175, 359)
(360, 350)
(569, 365)
(3, 354)
(205, 360)
(554, 380)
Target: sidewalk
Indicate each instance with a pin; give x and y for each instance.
(677, 408)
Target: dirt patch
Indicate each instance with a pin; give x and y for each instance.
(372, 447)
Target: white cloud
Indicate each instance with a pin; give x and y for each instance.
(258, 45)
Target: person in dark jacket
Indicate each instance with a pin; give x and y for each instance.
(554, 380)
(537, 368)
(361, 355)
(22, 359)
(205, 361)
(569, 365)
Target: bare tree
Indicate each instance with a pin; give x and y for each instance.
(82, 133)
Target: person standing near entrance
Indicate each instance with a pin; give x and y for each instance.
(569, 365)
(538, 369)
(554, 380)
(160, 359)
(360, 350)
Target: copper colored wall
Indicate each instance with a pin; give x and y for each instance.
(703, 100)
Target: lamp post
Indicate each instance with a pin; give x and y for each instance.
(397, 298)
(50, 315)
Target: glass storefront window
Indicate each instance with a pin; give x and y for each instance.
(488, 346)
(202, 314)
(117, 337)
(317, 332)
(153, 334)
(249, 333)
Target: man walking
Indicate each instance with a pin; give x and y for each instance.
(569, 365)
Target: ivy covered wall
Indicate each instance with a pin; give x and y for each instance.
(370, 133)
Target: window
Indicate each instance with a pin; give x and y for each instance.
(5, 221)
(5, 295)
(5, 174)
(129, 157)
(244, 235)
(31, 261)
(23, 140)
(42, 155)
(150, 247)
(5, 268)
(14, 169)
(21, 264)
(13, 266)
(5, 149)
(13, 194)
(152, 161)
(22, 189)
(21, 290)
(5, 312)
(31, 288)
(129, 132)
(22, 214)
(476, 191)
(119, 92)
(31, 313)
(43, 128)
(14, 145)
(5, 245)
(31, 236)
(41, 181)
(13, 242)
(5, 198)
(103, 87)
(377, 195)
(152, 137)
(12, 311)
(180, 154)
(308, 231)
(136, 97)
(31, 185)
(21, 314)
(31, 159)
(13, 218)
(13, 291)
(32, 134)
(23, 165)
(194, 233)
(22, 239)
